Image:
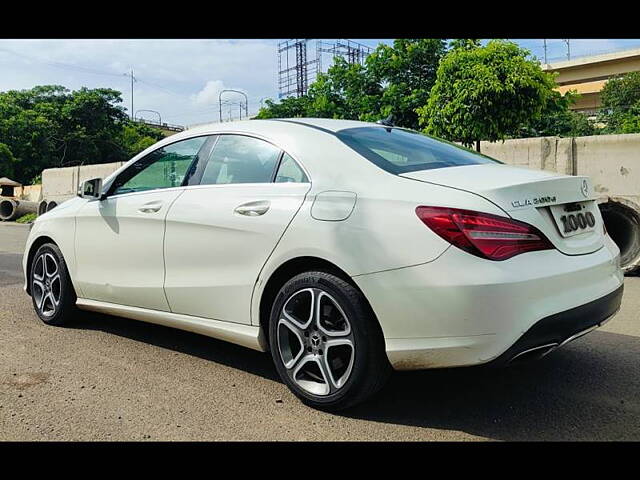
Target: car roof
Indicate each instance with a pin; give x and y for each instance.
(328, 124)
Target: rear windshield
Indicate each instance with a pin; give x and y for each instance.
(399, 151)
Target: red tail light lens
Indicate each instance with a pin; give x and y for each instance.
(483, 234)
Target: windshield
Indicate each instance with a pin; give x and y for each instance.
(399, 151)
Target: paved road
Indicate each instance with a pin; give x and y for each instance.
(107, 378)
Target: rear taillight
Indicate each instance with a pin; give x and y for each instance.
(483, 234)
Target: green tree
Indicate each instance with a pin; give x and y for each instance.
(290, 107)
(464, 43)
(394, 80)
(556, 119)
(406, 72)
(346, 91)
(621, 104)
(485, 93)
(7, 162)
(51, 126)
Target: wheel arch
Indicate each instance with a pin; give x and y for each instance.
(291, 268)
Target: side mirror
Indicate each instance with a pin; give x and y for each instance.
(91, 189)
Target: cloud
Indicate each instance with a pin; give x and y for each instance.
(174, 76)
(210, 94)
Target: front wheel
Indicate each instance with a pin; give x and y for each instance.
(51, 290)
(326, 343)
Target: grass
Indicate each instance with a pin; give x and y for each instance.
(28, 218)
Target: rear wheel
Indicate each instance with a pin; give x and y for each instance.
(52, 293)
(326, 343)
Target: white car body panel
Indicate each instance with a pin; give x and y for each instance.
(119, 248)
(245, 335)
(460, 311)
(197, 265)
(214, 254)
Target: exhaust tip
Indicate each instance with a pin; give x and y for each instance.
(531, 354)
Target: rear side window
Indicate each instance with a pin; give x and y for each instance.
(290, 172)
(399, 151)
(240, 159)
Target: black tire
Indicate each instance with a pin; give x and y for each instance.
(49, 312)
(370, 367)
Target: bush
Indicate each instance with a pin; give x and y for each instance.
(28, 218)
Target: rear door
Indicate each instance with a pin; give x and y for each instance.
(220, 233)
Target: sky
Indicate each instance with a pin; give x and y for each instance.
(181, 79)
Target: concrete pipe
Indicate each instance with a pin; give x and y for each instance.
(51, 205)
(13, 209)
(622, 220)
(42, 207)
(7, 207)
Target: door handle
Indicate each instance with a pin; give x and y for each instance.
(150, 207)
(253, 209)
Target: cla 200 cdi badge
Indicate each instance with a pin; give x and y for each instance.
(346, 249)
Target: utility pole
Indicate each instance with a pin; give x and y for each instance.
(246, 101)
(567, 41)
(133, 79)
(545, 50)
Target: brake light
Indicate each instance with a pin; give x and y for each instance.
(483, 234)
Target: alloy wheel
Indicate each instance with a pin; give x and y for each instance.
(315, 342)
(46, 284)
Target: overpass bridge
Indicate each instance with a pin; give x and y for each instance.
(588, 75)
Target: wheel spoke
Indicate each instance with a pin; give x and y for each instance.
(329, 316)
(38, 283)
(307, 377)
(289, 356)
(47, 298)
(296, 309)
(326, 373)
(40, 300)
(53, 272)
(339, 362)
(53, 299)
(39, 265)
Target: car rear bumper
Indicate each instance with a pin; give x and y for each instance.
(557, 330)
(462, 310)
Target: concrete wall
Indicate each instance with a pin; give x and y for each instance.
(60, 184)
(612, 161)
(30, 193)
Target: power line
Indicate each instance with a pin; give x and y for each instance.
(60, 64)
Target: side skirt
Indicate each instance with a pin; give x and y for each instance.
(244, 335)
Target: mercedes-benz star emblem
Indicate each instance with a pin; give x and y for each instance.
(585, 188)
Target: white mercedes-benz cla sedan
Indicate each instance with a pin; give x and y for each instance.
(346, 249)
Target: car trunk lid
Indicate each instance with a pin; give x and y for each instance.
(553, 203)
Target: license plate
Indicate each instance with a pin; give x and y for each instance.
(574, 218)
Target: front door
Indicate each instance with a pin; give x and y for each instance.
(120, 239)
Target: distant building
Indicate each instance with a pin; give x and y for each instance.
(587, 75)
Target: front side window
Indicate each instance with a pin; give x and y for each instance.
(399, 151)
(240, 159)
(163, 168)
(290, 171)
